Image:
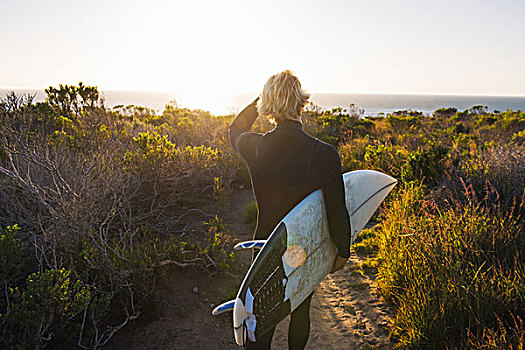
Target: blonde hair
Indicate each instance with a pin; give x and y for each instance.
(282, 97)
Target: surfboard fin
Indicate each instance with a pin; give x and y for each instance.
(224, 307)
(257, 244)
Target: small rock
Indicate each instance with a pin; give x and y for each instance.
(212, 306)
(383, 323)
(241, 187)
(195, 290)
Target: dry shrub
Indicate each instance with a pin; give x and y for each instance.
(493, 178)
(103, 207)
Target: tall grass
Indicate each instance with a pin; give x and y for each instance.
(455, 272)
(451, 245)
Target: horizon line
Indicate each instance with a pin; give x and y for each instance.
(416, 94)
(312, 92)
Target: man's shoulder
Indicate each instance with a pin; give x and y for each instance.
(247, 139)
(246, 144)
(324, 148)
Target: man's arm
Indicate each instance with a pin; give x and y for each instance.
(243, 122)
(338, 218)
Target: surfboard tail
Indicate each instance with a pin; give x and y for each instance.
(244, 321)
(239, 317)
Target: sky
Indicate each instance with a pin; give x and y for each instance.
(207, 51)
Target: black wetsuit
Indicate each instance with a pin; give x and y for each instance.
(286, 165)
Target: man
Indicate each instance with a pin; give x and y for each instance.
(286, 165)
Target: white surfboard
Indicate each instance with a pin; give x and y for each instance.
(298, 255)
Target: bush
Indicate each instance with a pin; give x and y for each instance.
(40, 311)
(12, 262)
(390, 159)
(104, 200)
(427, 165)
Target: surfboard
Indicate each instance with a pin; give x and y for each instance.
(298, 255)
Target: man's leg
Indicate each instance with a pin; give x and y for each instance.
(299, 329)
(263, 342)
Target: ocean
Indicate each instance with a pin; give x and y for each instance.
(373, 104)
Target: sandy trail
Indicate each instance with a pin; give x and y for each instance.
(347, 311)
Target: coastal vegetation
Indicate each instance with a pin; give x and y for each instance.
(95, 201)
(450, 244)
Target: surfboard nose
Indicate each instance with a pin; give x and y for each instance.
(368, 189)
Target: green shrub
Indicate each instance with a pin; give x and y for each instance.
(387, 158)
(218, 238)
(403, 122)
(352, 153)
(427, 165)
(338, 124)
(444, 112)
(11, 258)
(41, 310)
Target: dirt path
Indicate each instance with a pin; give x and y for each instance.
(346, 311)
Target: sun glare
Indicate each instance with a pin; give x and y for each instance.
(205, 60)
(208, 52)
